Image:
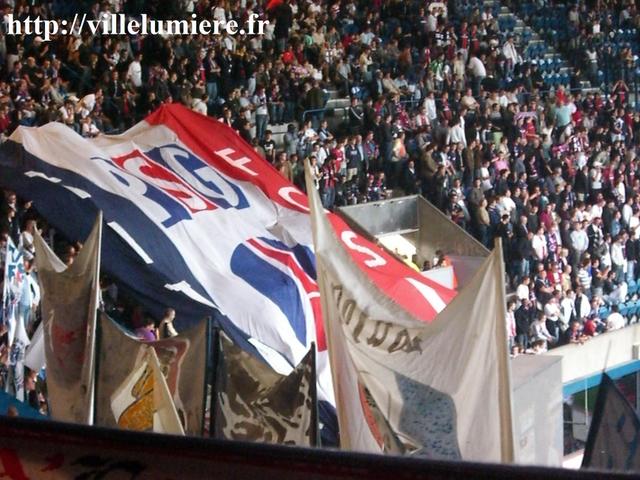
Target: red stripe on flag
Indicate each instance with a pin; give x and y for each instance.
(309, 284)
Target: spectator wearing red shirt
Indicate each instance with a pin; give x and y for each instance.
(338, 155)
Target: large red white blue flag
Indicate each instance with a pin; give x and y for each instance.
(197, 220)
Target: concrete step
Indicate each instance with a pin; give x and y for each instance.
(278, 129)
(338, 103)
(333, 93)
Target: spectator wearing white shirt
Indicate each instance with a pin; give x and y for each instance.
(478, 72)
(618, 259)
(615, 320)
(430, 106)
(511, 54)
(538, 330)
(522, 291)
(506, 205)
(135, 71)
(259, 102)
(539, 244)
(627, 211)
(199, 105)
(579, 242)
(568, 308)
(456, 133)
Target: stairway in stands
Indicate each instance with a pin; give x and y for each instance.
(530, 44)
(337, 108)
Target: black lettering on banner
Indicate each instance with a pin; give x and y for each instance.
(404, 342)
(382, 331)
(376, 339)
(347, 311)
(362, 321)
(337, 288)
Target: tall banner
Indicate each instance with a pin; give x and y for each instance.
(15, 378)
(34, 356)
(182, 360)
(196, 220)
(69, 305)
(16, 286)
(255, 403)
(143, 402)
(613, 442)
(439, 389)
(13, 286)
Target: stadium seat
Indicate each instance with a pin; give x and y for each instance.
(603, 313)
(625, 309)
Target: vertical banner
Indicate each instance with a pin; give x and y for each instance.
(14, 278)
(403, 386)
(69, 305)
(182, 360)
(143, 402)
(255, 403)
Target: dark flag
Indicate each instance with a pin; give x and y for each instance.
(255, 403)
(614, 434)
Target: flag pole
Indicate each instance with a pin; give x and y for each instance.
(96, 367)
(206, 376)
(505, 397)
(215, 361)
(315, 428)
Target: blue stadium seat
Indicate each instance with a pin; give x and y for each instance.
(603, 313)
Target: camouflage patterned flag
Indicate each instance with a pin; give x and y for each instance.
(255, 403)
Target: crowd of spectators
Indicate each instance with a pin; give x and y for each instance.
(599, 37)
(440, 103)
